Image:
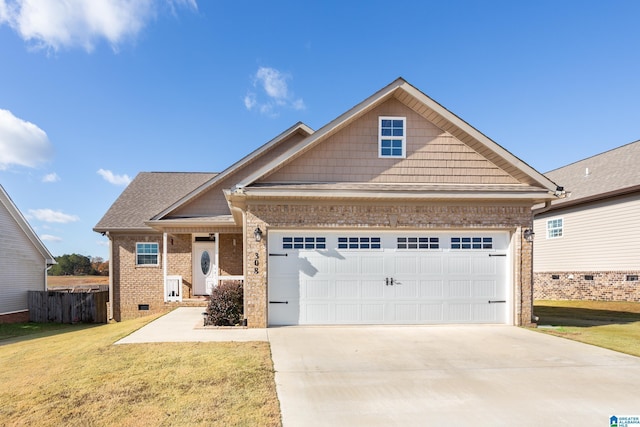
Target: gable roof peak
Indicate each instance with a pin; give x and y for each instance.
(431, 110)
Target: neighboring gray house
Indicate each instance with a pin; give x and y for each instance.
(587, 245)
(24, 261)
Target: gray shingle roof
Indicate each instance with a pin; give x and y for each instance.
(608, 172)
(148, 194)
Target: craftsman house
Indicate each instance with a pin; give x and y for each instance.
(396, 212)
(24, 261)
(588, 244)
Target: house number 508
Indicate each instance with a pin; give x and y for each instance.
(256, 263)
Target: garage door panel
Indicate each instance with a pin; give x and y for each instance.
(372, 289)
(347, 313)
(459, 312)
(315, 313)
(405, 313)
(404, 288)
(431, 289)
(459, 265)
(388, 283)
(407, 265)
(372, 313)
(485, 288)
(485, 312)
(347, 289)
(432, 265)
(316, 289)
(483, 265)
(459, 289)
(432, 313)
(313, 265)
(371, 265)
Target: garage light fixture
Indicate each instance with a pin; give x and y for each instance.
(528, 235)
(257, 233)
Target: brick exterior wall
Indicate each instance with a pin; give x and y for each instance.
(134, 285)
(230, 254)
(605, 286)
(414, 217)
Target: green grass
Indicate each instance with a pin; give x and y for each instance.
(608, 324)
(17, 330)
(75, 376)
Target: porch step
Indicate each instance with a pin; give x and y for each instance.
(189, 302)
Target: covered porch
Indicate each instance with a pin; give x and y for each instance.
(198, 255)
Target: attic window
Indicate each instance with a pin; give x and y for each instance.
(392, 133)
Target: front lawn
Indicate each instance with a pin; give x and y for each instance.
(608, 324)
(77, 377)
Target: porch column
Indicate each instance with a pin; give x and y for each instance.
(164, 266)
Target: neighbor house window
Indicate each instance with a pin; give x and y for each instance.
(554, 228)
(392, 137)
(147, 253)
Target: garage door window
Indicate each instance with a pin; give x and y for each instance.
(304, 243)
(359, 243)
(472, 243)
(418, 243)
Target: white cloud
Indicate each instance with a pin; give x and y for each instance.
(22, 143)
(50, 238)
(103, 243)
(273, 86)
(51, 177)
(49, 215)
(114, 179)
(54, 24)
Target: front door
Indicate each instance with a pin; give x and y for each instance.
(205, 268)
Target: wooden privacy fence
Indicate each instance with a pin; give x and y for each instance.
(68, 307)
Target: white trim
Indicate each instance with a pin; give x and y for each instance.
(157, 254)
(561, 228)
(164, 263)
(402, 139)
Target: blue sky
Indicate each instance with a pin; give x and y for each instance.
(93, 92)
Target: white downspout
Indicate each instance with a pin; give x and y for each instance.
(164, 264)
(111, 258)
(47, 266)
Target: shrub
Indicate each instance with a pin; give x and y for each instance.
(225, 305)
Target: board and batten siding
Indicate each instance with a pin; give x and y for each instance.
(601, 236)
(22, 266)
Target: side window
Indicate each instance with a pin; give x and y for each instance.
(555, 228)
(147, 253)
(392, 133)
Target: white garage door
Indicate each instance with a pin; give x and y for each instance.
(319, 278)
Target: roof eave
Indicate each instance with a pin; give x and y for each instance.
(568, 203)
(231, 169)
(537, 196)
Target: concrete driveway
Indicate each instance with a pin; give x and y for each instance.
(447, 376)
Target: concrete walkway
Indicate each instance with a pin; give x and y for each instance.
(428, 375)
(185, 324)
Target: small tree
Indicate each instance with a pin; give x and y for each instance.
(226, 307)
